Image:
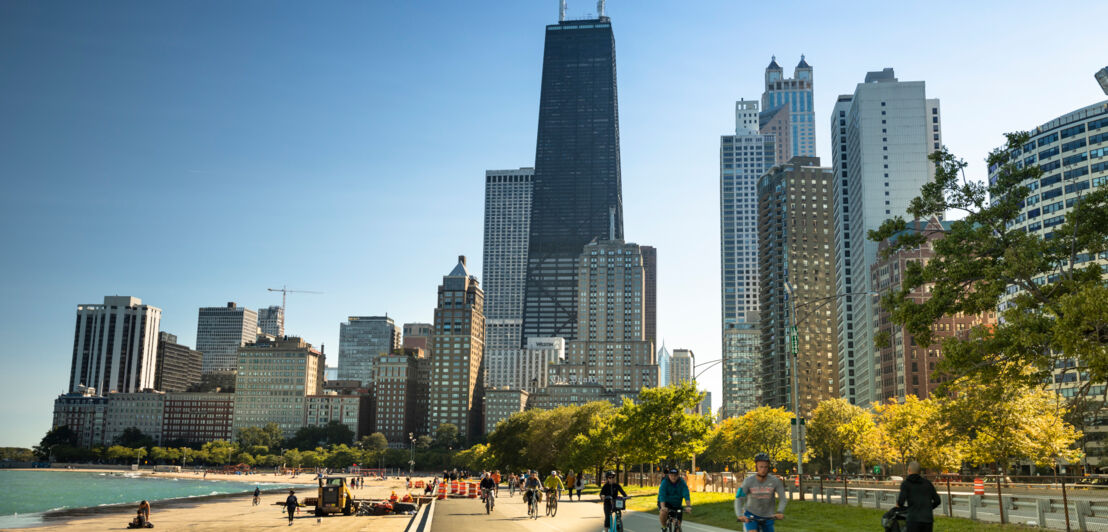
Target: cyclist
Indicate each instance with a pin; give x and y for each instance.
(488, 485)
(553, 484)
(754, 499)
(607, 493)
(671, 493)
(257, 495)
(531, 487)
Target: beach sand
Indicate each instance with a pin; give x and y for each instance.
(235, 512)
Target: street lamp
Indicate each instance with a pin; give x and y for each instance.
(794, 344)
(411, 461)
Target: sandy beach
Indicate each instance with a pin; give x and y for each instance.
(235, 512)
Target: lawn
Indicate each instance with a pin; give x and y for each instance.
(717, 509)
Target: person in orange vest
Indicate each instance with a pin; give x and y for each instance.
(496, 479)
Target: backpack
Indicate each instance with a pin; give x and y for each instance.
(892, 519)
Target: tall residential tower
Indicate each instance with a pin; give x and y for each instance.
(115, 346)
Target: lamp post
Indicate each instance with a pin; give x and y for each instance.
(411, 461)
(794, 345)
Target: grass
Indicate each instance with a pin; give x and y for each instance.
(717, 509)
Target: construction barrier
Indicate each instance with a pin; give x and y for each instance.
(453, 487)
(978, 486)
(474, 488)
(442, 491)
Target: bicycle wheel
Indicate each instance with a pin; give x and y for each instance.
(553, 507)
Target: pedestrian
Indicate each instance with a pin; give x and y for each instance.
(571, 480)
(579, 485)
(918, 495)
(291, 504)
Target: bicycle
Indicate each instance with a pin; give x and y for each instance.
(761, 524)
(486, 494)
(551, 502)
(511, 488)
(673, 519)
(257, 500)
(532, 503)
(618, 505)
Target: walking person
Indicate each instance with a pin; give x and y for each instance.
(918, 495)
(579, 484)
(291, 503)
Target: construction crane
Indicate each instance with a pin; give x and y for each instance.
(284, 295)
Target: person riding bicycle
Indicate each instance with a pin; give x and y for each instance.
(671, 493)
(607, 493)
(532, 488)
(553, 484)
(754, 499)
(487, 483)
(257, 495)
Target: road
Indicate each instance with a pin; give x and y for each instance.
(510, 515)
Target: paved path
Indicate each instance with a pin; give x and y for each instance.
(510, 515)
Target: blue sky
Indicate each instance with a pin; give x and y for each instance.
(194, 153)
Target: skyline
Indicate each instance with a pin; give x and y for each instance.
(295, 155)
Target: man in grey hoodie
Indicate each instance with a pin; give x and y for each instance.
(754, 499)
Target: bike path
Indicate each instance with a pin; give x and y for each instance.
(510, 515)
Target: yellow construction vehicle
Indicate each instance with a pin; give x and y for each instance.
(334, 497)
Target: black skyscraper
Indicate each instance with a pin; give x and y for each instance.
(576, 194)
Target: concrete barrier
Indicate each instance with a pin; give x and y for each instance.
(421, 521)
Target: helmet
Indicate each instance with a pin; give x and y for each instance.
(555, 472)
(762, 457)
(673, 471)
(610, 474)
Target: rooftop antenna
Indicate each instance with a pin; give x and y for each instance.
(562, 11)
(600, 8)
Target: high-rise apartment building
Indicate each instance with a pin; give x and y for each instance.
(362, 339)
(576, 189)
(796, 94)
(401, 391)
(683, 364)
(611, 349)
(650, 293)
(776, 122)
(141, 410)
(456, 354)
(220, 332)
(743, 158)
(903, 367)
(417, 336)
(273, 381)
(115, 346)
(271, 321)
(502, 403)
(507, 230)
(883, 136)
(795, 221)
(178, 367)
(192, 418)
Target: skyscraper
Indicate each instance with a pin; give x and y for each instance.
(456, 354)
(271, 321)
(115, 346)
(795, 218)
(664, 365)
(650, 293)
(274, 381)
(507, 229)
(883, 135)
(683, 363)
(796, 94)
(417, 336)
(743, 158)
(220, 332)
(178, 367)
(576, 194)
(362, 339)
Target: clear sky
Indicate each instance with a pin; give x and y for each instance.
(194, 153)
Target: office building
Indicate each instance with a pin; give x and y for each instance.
(141, 410)
(683, 363)
(401, 391)
(796, 94)
(903, 367)
(743, 158)
(502, 403)
(115, 346)
(576, 189)
(1102, 78)
(417, 336)
(271, 321)
(883, 134)
(457, 385)
(705, 408)
(650, 293)
(775, 122)
(197, 418)
(523, 369)
(795, 221)
(665, 364)
(273, 381)
(220, 332)
(507, 230)
(178, 367)
(362, 339)
(556, 395)
(350, 410)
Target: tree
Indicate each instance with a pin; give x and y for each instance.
(423, 442)
(824, 436)
(17, 454)
(902, 426)
(446, 435)
(268, 436)
(1056, 319)
(374, 442)
(333, 433)
(662, 427)
(119, 453)
(218, 452)
(60, 435)
(292, 458)
(762, 430)
(863, 440)
(341, 457)
(133, 437)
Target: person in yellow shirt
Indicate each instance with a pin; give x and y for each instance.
(570, 479)
(553, 484)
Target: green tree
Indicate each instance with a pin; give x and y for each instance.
(58, 436)
(310, 459)
(292, 458)
(243, 457)
(119, 453)
(1057, 319)
(662, 427)
(374, 442)
(18, 454)
(446, 435)
(341, 457)
(863, 440)
(424, 442)
(903, 425)
(133, 437)
(268, 436)
(158, 454)
(218, 452)
(823, 435)
(762, 430)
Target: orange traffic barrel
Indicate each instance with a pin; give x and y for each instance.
(978, 486)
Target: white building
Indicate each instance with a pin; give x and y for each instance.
(663, 358)
(743, 158)
(524, 369)
(220, 332)
(144, 411)
(115, 346)
(883, 135)
(271, 321)
(681, 366)
(507, 233)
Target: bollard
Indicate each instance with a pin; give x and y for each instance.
(1042, 508)
(974, 504)
(878, 496)
(1084, 509)
(1009, 502)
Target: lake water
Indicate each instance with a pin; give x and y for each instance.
(25, 495)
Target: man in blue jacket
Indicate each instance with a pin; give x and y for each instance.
(671, 493)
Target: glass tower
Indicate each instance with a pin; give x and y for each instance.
(576, 189)
(796, 93)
